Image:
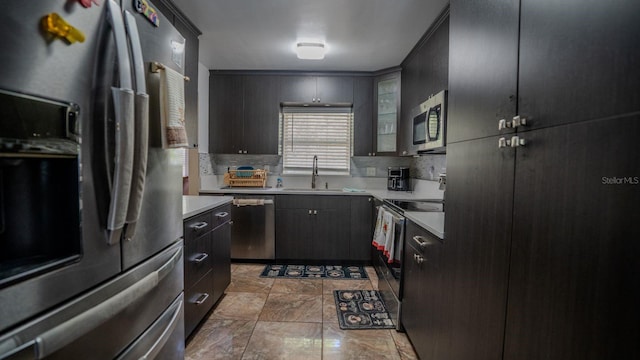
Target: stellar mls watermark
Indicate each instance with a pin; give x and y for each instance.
(625, 180)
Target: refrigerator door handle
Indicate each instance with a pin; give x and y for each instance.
(123, 101)
(137, 349)
(141, 134)
(122, 50)
(62, 335)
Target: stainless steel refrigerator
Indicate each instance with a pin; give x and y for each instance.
(90, 202)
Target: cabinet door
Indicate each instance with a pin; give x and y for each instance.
(225, 114)
(362, 116)
(423, 309)
(331, 233)
(191, 86)
(294, 234)
(476, 250)
(334, 89)
(295, 88)
(221, 264)
(573, 289)
(579, 60)
(361, 225)
(483, 67)
(261, 114)
(386, 115)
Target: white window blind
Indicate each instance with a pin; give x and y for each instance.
(327, 133)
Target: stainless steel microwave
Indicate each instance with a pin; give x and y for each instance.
(429, 125)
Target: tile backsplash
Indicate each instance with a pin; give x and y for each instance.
(426, 167)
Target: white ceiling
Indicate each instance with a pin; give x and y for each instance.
(360, 35)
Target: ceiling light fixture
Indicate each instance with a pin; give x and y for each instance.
(310, 51)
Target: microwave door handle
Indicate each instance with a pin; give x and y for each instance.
(123, 101)
(141, 133)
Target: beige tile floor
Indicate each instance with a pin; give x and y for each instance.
(263, 318)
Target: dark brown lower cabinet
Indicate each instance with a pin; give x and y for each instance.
(207, 261)
(422, 299)
(313, 227)
(361, 225)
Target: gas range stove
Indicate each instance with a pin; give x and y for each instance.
(418, 205)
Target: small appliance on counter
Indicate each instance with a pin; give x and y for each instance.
(398, 179)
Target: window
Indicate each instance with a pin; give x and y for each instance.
(325, 132)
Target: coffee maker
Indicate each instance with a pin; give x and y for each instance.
(398, 179)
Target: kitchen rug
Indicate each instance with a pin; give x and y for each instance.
(314, 272)
(361, 309)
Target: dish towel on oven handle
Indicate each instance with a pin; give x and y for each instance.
(378, 236)
(384, 235)
(172, 109)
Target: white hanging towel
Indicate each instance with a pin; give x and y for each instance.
(172, 109)
(384, 234)
(378, 236)
(389, 229)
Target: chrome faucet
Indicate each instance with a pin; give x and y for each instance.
(314, 171)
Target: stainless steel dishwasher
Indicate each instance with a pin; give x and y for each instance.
(253, 230)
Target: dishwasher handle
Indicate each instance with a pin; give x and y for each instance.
(252, 202)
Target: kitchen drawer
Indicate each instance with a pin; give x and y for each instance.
(425, 244)
(198, 259)
(198, 302)
(197, 225)
(220, 215)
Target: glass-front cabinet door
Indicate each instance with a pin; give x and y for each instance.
(388, 107)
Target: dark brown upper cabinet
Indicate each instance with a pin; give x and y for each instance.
(316, 89)
(243, 114)
(386, 110)
(363, 116)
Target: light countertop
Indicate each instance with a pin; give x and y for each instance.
(194, 205)
(433, 222)
(430, 221)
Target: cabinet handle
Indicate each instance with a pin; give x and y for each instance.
(419, 259)
(318, 99)
(502, 143)
(517, 141)
(422, 241)
(518, 121)
(230, 222)
(239, 151)
(200, 258)
(374, 154)
(223, 214)
(315, 212)
(310, 212)
(201, 299)
(502, 124)
(199, 226)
